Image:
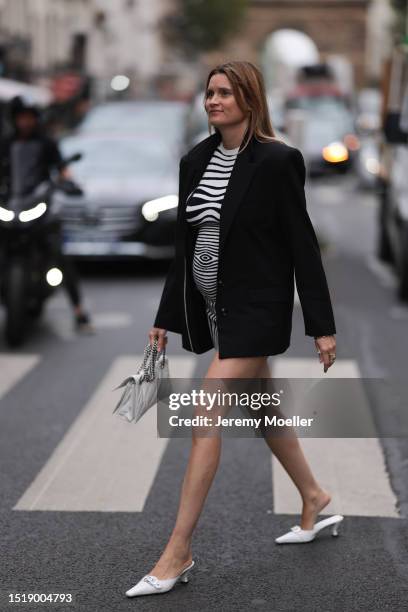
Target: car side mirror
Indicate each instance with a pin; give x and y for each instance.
(70, 188)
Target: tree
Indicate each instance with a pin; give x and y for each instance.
(401, 23)
(203, 25)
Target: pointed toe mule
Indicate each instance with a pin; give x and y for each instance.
(300, 536)
(150, 585)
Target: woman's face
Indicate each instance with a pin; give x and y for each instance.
(220, 104)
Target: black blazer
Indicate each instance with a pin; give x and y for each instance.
(265, 237)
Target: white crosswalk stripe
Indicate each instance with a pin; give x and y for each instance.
(14, 368)
(352, 469)
(104, 463)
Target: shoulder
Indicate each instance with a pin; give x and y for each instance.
(277, 150)
(278, 155)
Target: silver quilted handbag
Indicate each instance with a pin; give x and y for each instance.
(141, 389)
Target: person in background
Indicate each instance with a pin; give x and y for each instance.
(27, 158)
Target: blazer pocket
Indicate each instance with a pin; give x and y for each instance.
(269, 294)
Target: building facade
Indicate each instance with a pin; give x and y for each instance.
(101, 37)
(107, 37)
(338, 28)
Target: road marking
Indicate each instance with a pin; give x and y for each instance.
(112, 320)
(283, 367)
(384, 273)
(13, 368)
(351, 469)
(60, 321)
(104, 463)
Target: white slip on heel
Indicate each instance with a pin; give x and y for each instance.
(150, 585)
(299, 536)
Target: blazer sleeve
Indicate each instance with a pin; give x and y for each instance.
(310, 277)
(169, 314)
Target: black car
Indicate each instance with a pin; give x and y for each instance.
(129, 206)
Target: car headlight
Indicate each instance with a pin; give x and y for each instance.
(54, 277)
(6, 215)
(33, 213)
(152, 208)
(335, 152)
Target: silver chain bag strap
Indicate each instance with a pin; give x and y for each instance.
(141, 389)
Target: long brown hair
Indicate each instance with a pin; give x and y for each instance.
(249, 91)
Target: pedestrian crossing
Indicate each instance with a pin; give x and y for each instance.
(352, 469)
(14, 368)
(105, 464)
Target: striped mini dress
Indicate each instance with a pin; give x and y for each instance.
(203, 214)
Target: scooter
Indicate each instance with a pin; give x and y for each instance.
(28, 271)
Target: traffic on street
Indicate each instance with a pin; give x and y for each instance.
(90, 187)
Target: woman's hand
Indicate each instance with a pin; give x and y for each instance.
(157, 332)
(326, 349)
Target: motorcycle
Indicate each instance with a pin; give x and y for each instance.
(29, 272)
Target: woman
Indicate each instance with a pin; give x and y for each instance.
(242, 232)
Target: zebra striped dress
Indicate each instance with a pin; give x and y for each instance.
(203, 214)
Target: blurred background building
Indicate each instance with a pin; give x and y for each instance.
(151, 42)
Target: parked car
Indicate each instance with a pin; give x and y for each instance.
(392, 243)
(129, 205)
(393, 218)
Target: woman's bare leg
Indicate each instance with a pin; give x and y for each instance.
(290, 454)
(201, 469)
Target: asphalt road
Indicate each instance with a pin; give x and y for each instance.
(87, 502)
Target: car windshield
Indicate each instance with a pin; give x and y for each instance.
(118, 157)
(323, 110)
(165, 119)
(318, 104)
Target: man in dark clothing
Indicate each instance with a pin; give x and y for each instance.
(27, 158)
